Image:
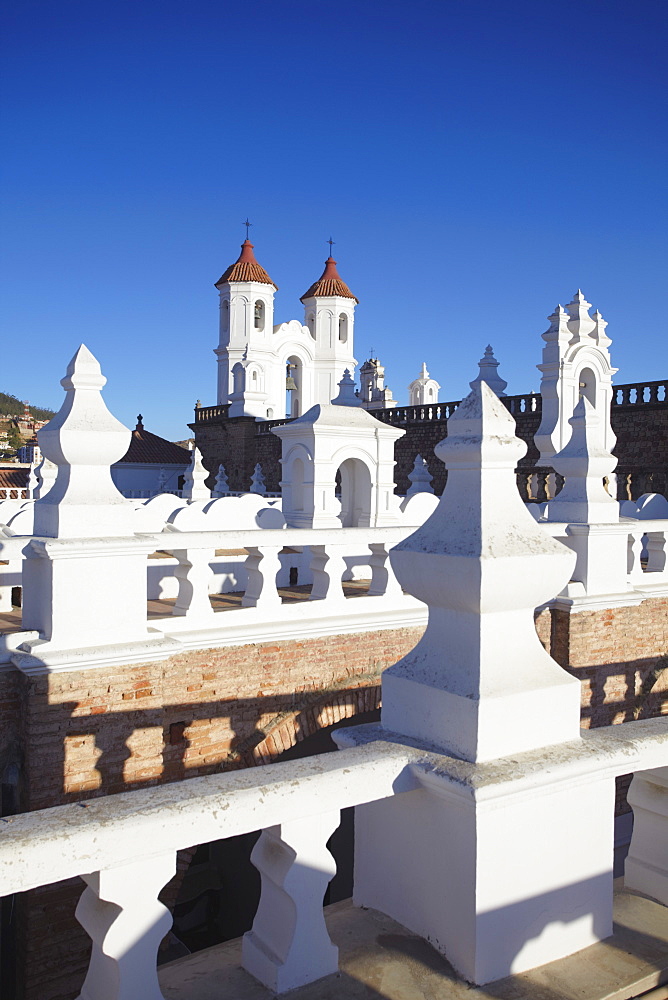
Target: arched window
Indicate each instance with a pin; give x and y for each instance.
(343, 328)
(259, 315)
(225, 316)
(587, 385)
(238, 374)
(254, 376)
(431, 393)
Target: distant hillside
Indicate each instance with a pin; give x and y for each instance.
(10, 406)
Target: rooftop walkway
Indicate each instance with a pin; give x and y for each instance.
(380, 960)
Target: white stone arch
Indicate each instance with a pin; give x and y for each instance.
(297, 481)
(254, 377)
(238, 379)
(259, 314)
(327, 328)
(239, 305)
(358, 473)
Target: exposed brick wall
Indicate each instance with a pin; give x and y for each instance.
(642, 449)
(88, 733)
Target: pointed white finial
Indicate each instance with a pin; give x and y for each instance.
(479, 685)
(222, 487)
(193, 487)
(420, 478)
(33, 482)
(346, 396)
(257, 481)
(584, 462)
(488, 373)
(83, 440)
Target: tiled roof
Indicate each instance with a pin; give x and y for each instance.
(246, 268)
(329, 283)
(149, 448)
(14, 479)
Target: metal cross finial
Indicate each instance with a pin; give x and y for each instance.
(331, 244)
(247, 224)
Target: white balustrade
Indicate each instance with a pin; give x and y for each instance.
(126, 922)
(124, 845)
(288, 944)
(262, 567)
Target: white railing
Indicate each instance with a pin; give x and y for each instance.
(13, 493)
(254, 563)
(124, 846)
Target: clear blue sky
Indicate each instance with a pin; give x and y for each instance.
(474, 160)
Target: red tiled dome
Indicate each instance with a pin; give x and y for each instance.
(246, 268)
(329, 283)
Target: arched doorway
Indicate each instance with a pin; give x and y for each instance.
(355, 494)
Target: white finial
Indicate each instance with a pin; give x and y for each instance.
(257, 480)
(488, 373)
(479, 685)
(420, 478)
(346, 396)
(584, 462)
(222, 487)
(193, 487)
(83, 440)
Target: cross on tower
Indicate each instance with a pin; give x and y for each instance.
(247, 224)
(331, 244)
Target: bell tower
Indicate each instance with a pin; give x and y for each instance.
(244, 351)
(329, 310)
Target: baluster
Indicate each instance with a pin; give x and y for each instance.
(327, 567)
(634, 555)
(383, 581)
(656, 551)
(262, 566)
(121, 912)
(654, 393)
(288, 944)
(194, 574)
(646, 867)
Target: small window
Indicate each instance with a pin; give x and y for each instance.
(254, 376)
(259, 315)
(225, 316)
(343, 328)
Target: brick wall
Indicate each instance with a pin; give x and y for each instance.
(641, 430)
(89, 733)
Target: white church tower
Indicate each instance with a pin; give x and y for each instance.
(423, 390)
(245, 350)
(329, 310)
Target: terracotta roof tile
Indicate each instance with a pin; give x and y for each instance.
(246, 268)
(149, 448)
(329, 283)
(14, 479)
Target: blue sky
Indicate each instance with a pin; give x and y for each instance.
(475, 161)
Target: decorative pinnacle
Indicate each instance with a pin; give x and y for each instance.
(331, 244)
(83, 371)
(248, 225)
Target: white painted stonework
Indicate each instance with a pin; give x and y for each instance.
(338, 437)
(576, 362)
(479, 684)
(489, 373)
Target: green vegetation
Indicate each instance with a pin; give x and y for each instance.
(10, 406)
